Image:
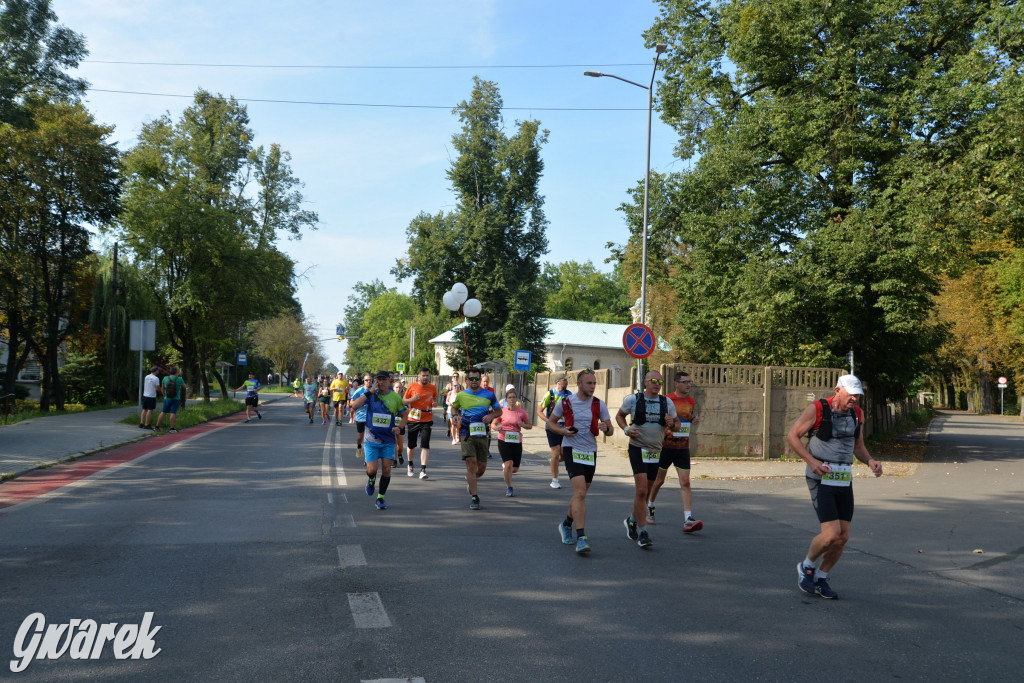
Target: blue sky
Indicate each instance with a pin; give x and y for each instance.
(368, 171)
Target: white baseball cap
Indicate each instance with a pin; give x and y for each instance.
(509, 387)
(851, 384)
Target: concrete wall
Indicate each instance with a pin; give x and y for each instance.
(738, 414)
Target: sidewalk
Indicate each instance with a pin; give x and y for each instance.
(45, 441)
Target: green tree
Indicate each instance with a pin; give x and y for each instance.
(578, 291)
(203, 209)
(56, 177)
(359, 302)
(35, 52)
(384, 333)
(284, 340)
(494, 239)
(802, 229)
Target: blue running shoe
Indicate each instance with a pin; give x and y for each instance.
(369, 489)
(630, 529)
(509, 492)
(806, 574)
(581, 545)
(474, 503)
(566, 533)
(381, 505)
(822, 588)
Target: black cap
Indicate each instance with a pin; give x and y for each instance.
(383, 373)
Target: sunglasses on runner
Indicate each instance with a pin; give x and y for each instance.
(472, 379)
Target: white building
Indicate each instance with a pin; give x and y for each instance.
(570, 344)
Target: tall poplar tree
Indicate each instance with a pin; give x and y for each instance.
(494, 240)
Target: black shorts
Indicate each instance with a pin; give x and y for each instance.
(831, 503)
(420, 432)
(553, 439)
(360, 426)
(149, 402)
(252, 400)
(575, 469)
(510, 451)
(639, 466)
(678, 457)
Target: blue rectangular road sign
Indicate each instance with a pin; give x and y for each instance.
(241, 358)
(523, 358)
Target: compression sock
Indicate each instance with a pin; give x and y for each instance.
(568, 522)
(384, 481)
(580, 533)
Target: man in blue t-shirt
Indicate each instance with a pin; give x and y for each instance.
(309, 397)
(360, 413)
(252, 396)
(475, 407)
(385, 416)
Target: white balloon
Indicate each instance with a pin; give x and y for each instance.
(472, 308)
(461, 292)
(449, 301)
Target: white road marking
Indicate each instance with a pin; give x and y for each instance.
(330, 499)
(339, 468)
(345, 521)
(342, 498)
(417, 679)
(351, 556)
(368, 610)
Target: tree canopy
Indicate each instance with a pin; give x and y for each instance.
(494, 239)
(823, 203)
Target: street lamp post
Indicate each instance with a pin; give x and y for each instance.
(658, 50)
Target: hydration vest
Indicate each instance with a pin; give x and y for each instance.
(552, 396)
(639, 417)
(823, 420)
(595, 412)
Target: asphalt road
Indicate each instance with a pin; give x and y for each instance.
(261, 558)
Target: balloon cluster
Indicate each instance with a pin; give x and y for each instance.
(457, 298)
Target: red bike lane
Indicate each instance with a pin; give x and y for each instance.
(43, 481)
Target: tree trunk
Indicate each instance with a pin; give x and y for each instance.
(220, 381)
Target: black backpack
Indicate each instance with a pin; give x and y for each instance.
(640, 416)
(171, 388)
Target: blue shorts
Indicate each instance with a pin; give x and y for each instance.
(171, 405)
(378, 451)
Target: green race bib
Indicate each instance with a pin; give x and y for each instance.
(840, 475)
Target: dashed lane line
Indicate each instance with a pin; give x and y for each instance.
(368, 610)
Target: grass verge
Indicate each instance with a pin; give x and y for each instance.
(195, 412)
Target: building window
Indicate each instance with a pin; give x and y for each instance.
(568, 364)
(597, 365)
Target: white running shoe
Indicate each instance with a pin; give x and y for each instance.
(555, 484)
(411, 474)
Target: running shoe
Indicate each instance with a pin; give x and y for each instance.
(401, 460)
(172, 430)
(324, 421)
(259, 415)
(822, 588)
(474, 503)
(423, 474)
(691, 525)
(566, 533)
(508, 492)
(555, 484)
(381, 505)
(248, 420)
(410, 472)
(644, 539)
(581, 545)
(650, 515)
(369, 489)
(310, 420)
(630, 529)
(806, 575)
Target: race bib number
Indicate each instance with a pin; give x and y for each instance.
(584, 458)
(684, 430)
(840, 475)
(381, 420)
(477, 429)
(650, 457)
(415, 413)
(513, 437)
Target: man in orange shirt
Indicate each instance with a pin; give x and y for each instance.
(420, 397)
(676, 451)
